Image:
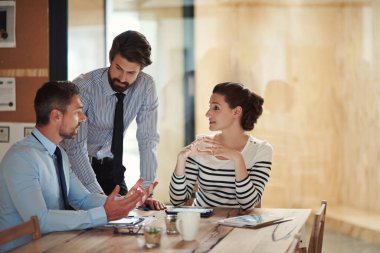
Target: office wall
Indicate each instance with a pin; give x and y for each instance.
(317, 66)
(28, 62)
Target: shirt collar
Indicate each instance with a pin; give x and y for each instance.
(50, 146)
(106, 85)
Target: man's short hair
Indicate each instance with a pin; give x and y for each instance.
(53, 95)
(132, 46)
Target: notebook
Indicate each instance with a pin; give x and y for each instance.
(253, 220)
(204, 212)
(124, 222)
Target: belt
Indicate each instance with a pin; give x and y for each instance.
(93, 160)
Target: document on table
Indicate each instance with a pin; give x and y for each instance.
(254, 220)
(130, 221)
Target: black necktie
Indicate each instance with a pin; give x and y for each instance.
(61, 176)
(117, 139)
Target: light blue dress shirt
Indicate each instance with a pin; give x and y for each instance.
(29, 186)
(95, 134)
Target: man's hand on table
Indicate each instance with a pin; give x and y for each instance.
(154, 204)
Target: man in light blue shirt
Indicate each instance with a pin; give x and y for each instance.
(29, 180)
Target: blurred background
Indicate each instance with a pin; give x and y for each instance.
(315, 62)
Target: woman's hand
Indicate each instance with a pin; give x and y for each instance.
(197, 147)
(192, 149)
(215, 148)
(221, 151)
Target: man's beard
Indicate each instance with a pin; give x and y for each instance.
(117, 87)
(69, 135)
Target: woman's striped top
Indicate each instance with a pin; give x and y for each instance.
(217, 186)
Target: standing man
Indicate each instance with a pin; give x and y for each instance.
(36, 179)
(95, 153)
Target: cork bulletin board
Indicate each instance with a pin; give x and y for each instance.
(28, 62)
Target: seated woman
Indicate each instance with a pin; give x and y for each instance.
(231, 167)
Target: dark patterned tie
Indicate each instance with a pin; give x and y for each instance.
(62, 180)
(117, 140)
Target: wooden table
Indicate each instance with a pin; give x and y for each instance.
(211, 237)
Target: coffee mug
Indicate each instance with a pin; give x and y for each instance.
(188, 225)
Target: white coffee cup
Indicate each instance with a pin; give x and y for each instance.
(188, 225)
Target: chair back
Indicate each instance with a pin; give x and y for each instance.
(190, 201)
(31, 227)
(317, 231)
(295, 244)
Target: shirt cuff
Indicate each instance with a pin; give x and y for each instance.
(98, 216)
(243, 181)
(179, 178)
(145, 184)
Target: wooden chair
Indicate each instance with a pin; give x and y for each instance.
(293, 248)
(317, 231)
(31, 227)
(190, 201)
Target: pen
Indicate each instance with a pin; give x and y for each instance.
(139, 221)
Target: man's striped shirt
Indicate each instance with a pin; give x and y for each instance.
(95, 134)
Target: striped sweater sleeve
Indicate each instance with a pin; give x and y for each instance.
(249, 191)
(181, 188)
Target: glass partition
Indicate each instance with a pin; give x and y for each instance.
(90, 38)
(315, 62)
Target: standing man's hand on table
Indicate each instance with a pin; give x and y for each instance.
(154, 204)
